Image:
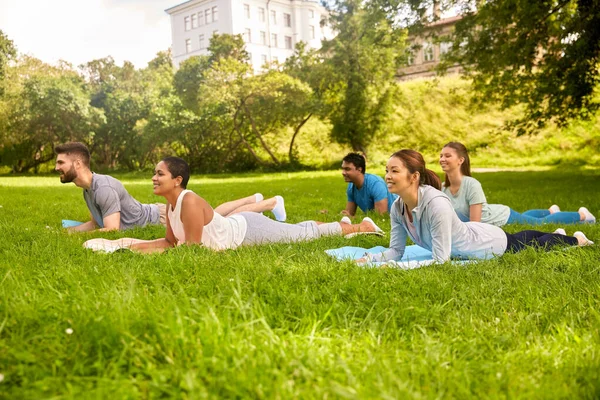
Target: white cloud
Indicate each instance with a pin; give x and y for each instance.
(78, 31)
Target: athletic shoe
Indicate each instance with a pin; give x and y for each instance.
(580, 235)
(259, 197)
(105, 245)
(560, 231)
(554, 209)
(346, 220)
(279, 210)
(377, 230)
(589, 218)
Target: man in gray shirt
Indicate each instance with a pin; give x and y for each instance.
(111, 206)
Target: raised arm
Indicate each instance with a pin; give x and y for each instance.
(381, 206)
(475, 198)
(475, 212)
(440, 221)
(111, 222)
(350, 209)
(195, 213)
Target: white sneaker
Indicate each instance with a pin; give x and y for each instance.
(560, 231)
(259, 197)
(345, 219)
(105, 245)
(377, 230)
(554, 209)
(589, 217)
(279, 210)
(583, 239)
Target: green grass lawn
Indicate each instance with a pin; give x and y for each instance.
(286, 321)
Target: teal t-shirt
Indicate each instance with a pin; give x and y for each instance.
(373, 190)
(471, 192)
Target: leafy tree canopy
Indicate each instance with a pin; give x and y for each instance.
(7, 52)
(543, 54)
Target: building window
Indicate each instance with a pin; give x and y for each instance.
(201, 41)
(261, 14)
(200, 18)
(247, 35)
(263, 59)
(207, 15)
(427, 52)
(194, 21)
(188, 45)
(311, 29)
(186, 22)
(311, 14)
(263, 37)
(410, 57)
(273, 40)
(445, 47)
(287, 20)
(247, 10)
(215, 13)
(288, 42)
(273, 17)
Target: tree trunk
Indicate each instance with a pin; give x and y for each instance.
(296, 131)
(258, 135)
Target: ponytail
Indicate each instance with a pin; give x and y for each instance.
(432, 179)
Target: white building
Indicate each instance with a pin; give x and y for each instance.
(271, 28)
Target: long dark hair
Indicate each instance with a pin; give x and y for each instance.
(414, 162)
(465, 167)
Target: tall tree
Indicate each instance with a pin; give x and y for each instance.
(543, 54)
(43, 106)
(119, 93)
(307, 66)
(364, 57)
(7, 52)
(188, 78)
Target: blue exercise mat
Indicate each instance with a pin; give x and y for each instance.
(414, 256)
(67, 223)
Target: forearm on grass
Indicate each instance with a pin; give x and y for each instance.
(85, 227)
(147, 246)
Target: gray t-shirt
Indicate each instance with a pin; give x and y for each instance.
(107, 196)
(471, 192)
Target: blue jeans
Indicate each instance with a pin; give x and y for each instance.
(539, 217)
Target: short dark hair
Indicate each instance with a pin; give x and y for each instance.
(76, 148)
(178, 167)
(357, 159)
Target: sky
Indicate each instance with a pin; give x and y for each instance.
(79, 31)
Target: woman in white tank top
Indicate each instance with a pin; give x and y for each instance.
(191, 220)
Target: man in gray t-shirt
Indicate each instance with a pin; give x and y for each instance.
(111, 206)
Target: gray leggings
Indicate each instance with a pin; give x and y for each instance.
(265, 230)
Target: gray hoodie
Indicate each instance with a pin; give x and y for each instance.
(439, 230)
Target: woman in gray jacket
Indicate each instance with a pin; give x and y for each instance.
(425, 214)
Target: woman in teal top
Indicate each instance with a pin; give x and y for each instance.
(469, 202)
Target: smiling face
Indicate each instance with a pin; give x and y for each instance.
(163, 181)
(398, 178)
(350, 172)
(65, 165)
(449, 160)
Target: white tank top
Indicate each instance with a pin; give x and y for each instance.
(219, 234)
